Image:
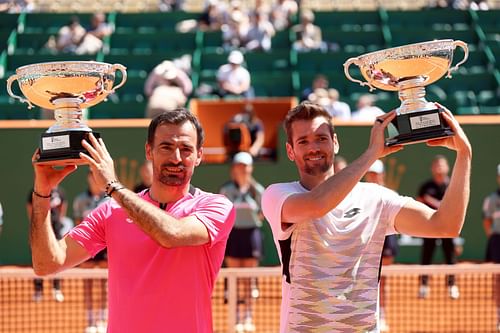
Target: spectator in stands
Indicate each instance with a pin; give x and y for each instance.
(61, 224)
(320, 81)
(282, 14)
(234, 33)
(366, 111)
(244, 245)
(83, 204)
(491, 224)
(18, 6)
(146, 175)
(167, 88)
(432, 193)
(212, 17)
(253, 128)
(260, 34)
(308, 35)
(329, 99)
(69, 37)
(92, 42)
(479, 5)
(376, 175)
(233, 78)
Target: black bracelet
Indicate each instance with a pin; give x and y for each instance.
(41, 196)
(109, 185)
(115, 187)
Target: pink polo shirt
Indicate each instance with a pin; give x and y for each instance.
(151, 288)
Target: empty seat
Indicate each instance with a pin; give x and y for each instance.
(151, 22)
(433, 19)
(50, 22)
(147, 43)
(348, 20)
(354, 41)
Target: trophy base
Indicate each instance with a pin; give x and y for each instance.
(419, 126)
(63, 148)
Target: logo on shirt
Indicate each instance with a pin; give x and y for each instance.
(352, 212)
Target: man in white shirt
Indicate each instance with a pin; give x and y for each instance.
(233, 78)
(330, 228)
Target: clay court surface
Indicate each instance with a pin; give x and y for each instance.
(473, 312)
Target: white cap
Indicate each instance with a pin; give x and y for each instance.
(377, 167)
(243, 158)
(166, 69)
(498, 169)
(235, 57)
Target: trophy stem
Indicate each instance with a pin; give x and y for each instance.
(412, 96)
(68, 115)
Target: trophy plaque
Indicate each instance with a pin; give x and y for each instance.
(408, 69)
(66, 87)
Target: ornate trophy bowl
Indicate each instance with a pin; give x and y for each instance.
(408, 69)
(66, 87)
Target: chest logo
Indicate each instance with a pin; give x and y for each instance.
(352, 212)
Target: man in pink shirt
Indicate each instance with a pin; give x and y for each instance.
(165, 244)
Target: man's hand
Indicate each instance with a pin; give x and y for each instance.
(46, 176)
(100, 161)
(377, 136)
(458, 142)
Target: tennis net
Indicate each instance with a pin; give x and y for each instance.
(249, 299)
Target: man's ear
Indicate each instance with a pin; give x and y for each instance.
(289, 152)
(148, 149)
(199, 156)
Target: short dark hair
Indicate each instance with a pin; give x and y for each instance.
(176, 117)
(306, 111)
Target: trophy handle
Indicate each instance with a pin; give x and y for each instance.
(122, 69)
(11, 79)
(466, 55)
(355, 61)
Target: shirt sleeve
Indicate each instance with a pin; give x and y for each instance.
(272, 202)
(392, 204)
(217, 213)
(91, 233)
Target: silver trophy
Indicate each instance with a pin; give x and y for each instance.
(66, 87)
(408, 69)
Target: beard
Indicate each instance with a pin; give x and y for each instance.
(319, 167)
(169, 178)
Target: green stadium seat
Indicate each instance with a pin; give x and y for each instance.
(348, 20)
(438, 19)
(403, 36)
(212, 41)
(493, 110)
(51, 22)
(281, 40)
(8, 21)
(477, 62)
(140, 65)
(132, 90)
(476, 83)
(32, 43)
(323, 62)
(273, 84)
(110, 110)
(18, 111)
(268, 61)
(148, 43)
(151, 22)
(354, 41)
(467, 111)
(488, 19)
